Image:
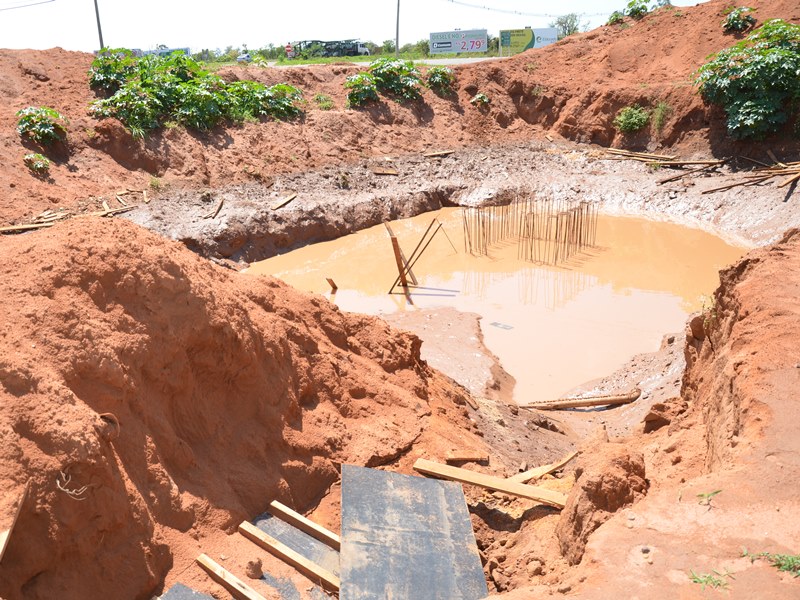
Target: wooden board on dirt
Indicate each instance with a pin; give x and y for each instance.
(228, 580)
(384, 171)
(438, 154)
(590, 401)
(309, 568)
(307, 526)
(406, 537)
(11, 507)
(283, 202)
(490, 482)
(539, 472)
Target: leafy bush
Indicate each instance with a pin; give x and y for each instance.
(362, 89)
(39, 165)
(153, 90)
(631, 118)
(637, 9)
(323, 101)
(41, 124)
(738, 19)
(441, 80)
(756, 80)
(111, 69)
(399, 78)
(616, 17)
(480, 100)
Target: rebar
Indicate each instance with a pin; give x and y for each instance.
(547, 231)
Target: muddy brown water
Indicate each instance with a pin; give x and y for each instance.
(552, 327)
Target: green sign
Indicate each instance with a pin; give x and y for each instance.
(514, 41)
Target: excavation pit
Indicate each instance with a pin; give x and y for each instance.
(551, 326)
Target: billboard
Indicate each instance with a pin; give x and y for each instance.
(446, 42)
(514, 41)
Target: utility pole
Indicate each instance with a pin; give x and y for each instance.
(99, 30)
(396, 34)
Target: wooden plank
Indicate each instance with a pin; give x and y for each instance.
(283, 202)
(144, 195)
(384, 171)
(332, 283)
(549, 138)
(682, 174)
(789, 180)
(25, 227)
(213, 214)
(310, 569)
(605, 400)
(460, 457)
(439, 153)
(630, 154)
(737, 184)
(490, 482)
(471, 401)
(686, 163)
(5, 535)
(106, 207)
(539, 472)
(228, 580)
(121, 201)
(297, 520)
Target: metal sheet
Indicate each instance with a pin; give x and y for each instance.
(406, 537)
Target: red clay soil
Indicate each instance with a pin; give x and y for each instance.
(154, 401)
(573, 89)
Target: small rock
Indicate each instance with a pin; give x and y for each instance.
(645, 550)
(254, 569)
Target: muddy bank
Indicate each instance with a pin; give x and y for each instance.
(336, 201)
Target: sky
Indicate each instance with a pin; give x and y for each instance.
(145, 24)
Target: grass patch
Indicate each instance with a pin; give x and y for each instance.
(789, 563)
(661, 114)
(631, 119)
(715, 579)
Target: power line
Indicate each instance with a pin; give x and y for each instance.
(27, 5)
(517, 12)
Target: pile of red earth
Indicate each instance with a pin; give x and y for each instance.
(573, 89)
(146, 394)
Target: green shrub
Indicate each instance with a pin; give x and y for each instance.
(616, 17)
(400, 78)
(155, 90)
(38, 165)
(756, 81)
(637, 9)
(41, 124)
(631, 118)
(737, 19)
(323, 101)
(134, 105)
(441, 80)
(111, 69)
(480, 100)
(363, 89)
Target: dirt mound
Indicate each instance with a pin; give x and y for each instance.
(573, 88)
(610, 479)
(153, 400)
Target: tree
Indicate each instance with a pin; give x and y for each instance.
(387, 47)
(569, 24)
(423, 47)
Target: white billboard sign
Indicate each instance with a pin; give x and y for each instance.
(447, 42)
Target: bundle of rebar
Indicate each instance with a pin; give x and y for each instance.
(547, 231)
(552, 232)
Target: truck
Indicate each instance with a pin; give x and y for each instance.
(326, 49)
